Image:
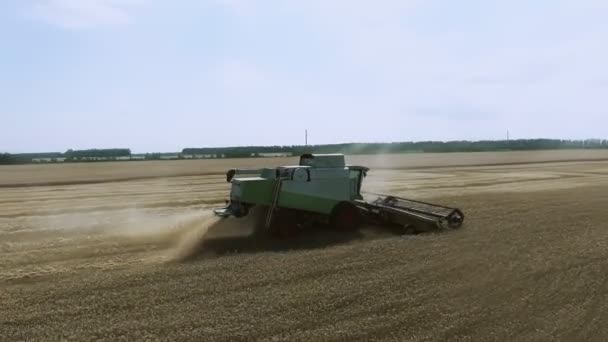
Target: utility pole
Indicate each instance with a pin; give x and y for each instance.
(507, 135)
(305, 137)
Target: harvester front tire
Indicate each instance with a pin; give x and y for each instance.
(345, 217)
(242, 212)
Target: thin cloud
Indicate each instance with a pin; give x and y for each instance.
(80, 14)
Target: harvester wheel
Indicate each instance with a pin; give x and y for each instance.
(243, 210)
(345, 217)
(408, 229)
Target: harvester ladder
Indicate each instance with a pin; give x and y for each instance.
(275, 201)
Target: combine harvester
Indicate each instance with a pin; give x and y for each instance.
(322, 188)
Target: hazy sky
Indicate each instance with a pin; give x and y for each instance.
(158, 75)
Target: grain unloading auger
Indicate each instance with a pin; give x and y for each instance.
(323, 188)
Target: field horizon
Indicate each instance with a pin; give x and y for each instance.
(89, 173)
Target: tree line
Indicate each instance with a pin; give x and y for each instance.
(96, 153)
(407, 147)
(350, 148)
(69, 156)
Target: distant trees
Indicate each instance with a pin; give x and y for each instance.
(69, 155)
(25, 158)
(6, 159)
(244, 151)
(351, 148)
(407, 147)
(153, 156)
(97, 153)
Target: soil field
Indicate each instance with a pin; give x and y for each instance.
(130, 251)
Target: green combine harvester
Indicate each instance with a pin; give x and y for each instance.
(322, 188)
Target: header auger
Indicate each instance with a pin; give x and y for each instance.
(323, 188)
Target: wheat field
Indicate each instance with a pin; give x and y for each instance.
(130, 251)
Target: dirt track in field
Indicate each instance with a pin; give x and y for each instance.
(143, 258)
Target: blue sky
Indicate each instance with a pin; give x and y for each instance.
(157, 75)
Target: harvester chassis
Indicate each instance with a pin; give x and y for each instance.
(407, 215)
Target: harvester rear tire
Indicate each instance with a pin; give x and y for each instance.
(345, 217)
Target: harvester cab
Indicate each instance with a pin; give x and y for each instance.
(323, 186)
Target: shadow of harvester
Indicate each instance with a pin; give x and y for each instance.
(246, 235)
(229, 236)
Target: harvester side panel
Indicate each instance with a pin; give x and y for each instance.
(254, 190)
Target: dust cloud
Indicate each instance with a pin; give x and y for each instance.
(184, 237)
(175, 237)
(195, 235)
(191, 238)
